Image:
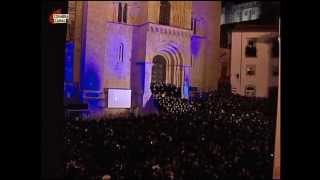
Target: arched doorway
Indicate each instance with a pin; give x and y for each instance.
(158, 69)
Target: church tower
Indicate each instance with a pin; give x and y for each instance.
(129, 44)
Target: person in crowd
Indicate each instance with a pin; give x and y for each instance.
(221, 136)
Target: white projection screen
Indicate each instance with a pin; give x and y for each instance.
(119, 98)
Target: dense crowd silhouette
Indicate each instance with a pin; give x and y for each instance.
(218, 136)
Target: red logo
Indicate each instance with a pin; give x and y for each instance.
(58, 11)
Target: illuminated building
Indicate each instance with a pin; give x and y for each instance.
(254, 60)
(128, 44)
(248, 18)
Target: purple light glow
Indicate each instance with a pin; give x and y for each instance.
(195, 45)
(92, 79)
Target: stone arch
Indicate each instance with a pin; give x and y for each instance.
(170, 68)
(174, 59)
(168, 65)
(158, 69)
(179, 63)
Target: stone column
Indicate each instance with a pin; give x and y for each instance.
(79, 23)
(179, 75)
(175, 75)
(167, 72)
(182, 77)
(166, 75)
(172, 73)
(147, 83)
(186, 82)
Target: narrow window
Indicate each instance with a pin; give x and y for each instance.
(251, 50)
(164, 18)
(119, 12)
(125, 9)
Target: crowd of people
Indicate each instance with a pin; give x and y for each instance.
(223, 136)
(168, 99)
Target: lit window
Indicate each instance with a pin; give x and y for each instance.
(250, 90)
(251, 50)
(251, 70)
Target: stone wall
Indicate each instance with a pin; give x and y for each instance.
(142, 38)
(96, 36)
(117, 61)
(75, 10)
(198, 52)
(137, 12)
(209, 14)
(180, 15)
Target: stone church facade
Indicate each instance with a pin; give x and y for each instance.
(128, 44)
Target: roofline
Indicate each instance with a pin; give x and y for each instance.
(252, 28)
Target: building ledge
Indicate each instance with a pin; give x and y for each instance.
(248, 28)
(153, 27)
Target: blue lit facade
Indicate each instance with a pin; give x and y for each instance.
(69, 89)
(195, 45)
(118, 55)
